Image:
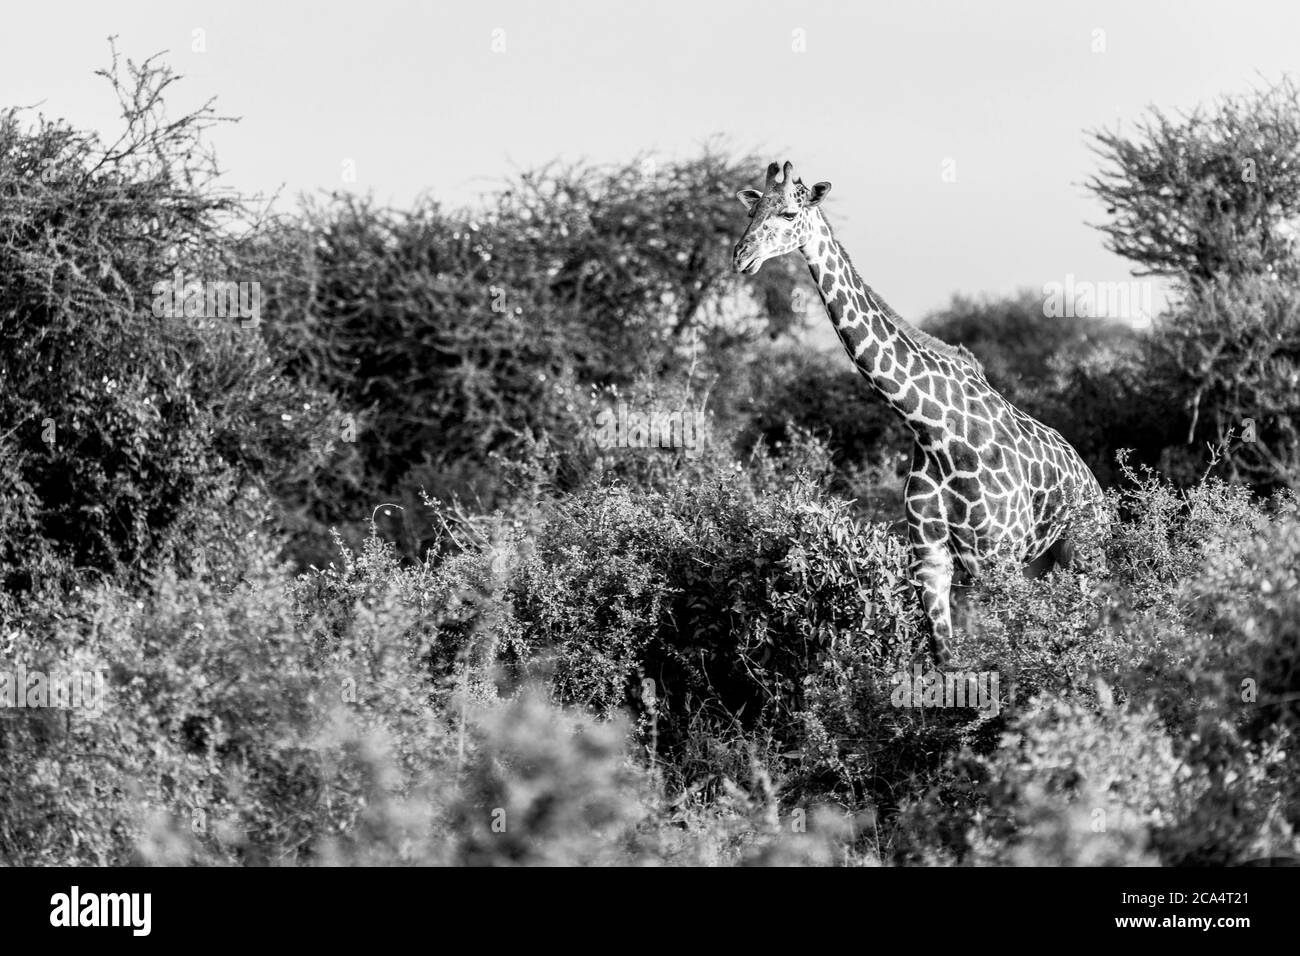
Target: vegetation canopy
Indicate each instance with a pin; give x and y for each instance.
(367, 576)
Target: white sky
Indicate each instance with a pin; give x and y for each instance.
(885, 92)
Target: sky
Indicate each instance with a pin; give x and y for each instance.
(954, 133)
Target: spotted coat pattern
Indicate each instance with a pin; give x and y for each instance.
(986, 479)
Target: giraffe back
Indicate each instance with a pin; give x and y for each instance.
(996, 480)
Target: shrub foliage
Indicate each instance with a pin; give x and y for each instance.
(359, 583)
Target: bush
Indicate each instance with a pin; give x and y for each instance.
(462, 339)
(1232, 353)
(128, 432)
(1068, 786)
(1147, 741)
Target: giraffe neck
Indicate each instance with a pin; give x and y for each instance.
(894, 360)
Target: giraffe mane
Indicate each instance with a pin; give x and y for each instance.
(921, 338)
(932, 342)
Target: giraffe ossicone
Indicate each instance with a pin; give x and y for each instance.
(987, 480)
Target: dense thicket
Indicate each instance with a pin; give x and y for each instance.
(562, 650)
(131, 439)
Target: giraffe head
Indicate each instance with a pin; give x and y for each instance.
(780, 218)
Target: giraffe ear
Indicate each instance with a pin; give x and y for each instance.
(749, 198)
(819, 192)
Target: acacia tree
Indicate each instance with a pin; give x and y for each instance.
(1211, 199)
(640, 253)
(1208, 195)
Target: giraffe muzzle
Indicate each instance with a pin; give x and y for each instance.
(746, 261)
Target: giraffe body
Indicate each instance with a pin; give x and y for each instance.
(987, 480)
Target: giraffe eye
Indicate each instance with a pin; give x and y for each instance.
(790, 215)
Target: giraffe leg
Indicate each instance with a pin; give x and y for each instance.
(932, 560)
(932, 570)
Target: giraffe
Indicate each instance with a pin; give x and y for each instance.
(986, 479)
